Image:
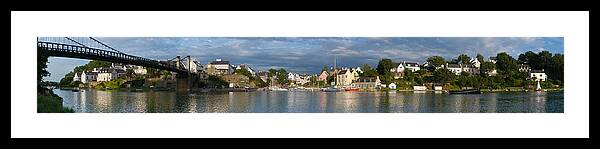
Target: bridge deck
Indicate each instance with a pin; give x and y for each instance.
(74, 51)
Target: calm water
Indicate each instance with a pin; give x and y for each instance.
(309, 102)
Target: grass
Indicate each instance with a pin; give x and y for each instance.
(51, 103)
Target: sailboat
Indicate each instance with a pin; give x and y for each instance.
(334, 87)
(538, 88)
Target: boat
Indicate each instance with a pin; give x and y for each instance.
(278, 89)
(467, 91)
(333, 89)
(538, 88)
(351, 89)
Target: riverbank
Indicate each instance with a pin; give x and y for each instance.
(51, 103)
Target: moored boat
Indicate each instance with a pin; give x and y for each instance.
(467, 91)
(351, 89)
(333, 89)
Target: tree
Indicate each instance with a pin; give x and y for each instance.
(243, 72)
(436, 61)
(529, 58)
(505, 63)
(324, 69)
(486, 67)
(443, 76)
(384, 66)
(41, 66)
(464, 59)
(479, 58)
(368, 71)
(282, 76)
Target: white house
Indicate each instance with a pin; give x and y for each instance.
(454, 68)
(471, 69)
(76, 78)
(109, 74)
(524, 68)
(537, 75)
(493, 59)
(475, 62)
(398, 71)
(412, 66)
(244, 66)
(140, 70)
(392, 86)
(219, 67)
(88, 76)
(459, 68)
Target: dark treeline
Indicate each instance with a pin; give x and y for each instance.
(507, 68)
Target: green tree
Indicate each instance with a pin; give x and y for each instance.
(324, 69)
(436, 61)
(384, 66)
(465, 59)
(506, 63)
(443, 76)
(282, 76)
(486, 68)
(368, 71)
(479, 58)
(42, 60)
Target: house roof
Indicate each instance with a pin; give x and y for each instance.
(412, 64)
(537, 71)
(453, 66)
(90, 73)
(343, 71)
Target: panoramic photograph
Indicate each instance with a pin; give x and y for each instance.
(300, 75)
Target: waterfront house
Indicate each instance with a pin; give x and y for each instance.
(219, 67)
(88, 76)
(493, 59)
(367, 82)
(411, 66)
(76, 78)
(470, 68)
(524, 68)
(109, 74)
(323, 76)
(264, 76)
(457, 69)
(345, 78)
(139, 70)
(537, 75)
(392, 86)
(475, 62)
(419, 88)
(245, 66)
(398, 71)
(454, 68)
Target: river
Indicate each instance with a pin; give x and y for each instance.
(102, 101)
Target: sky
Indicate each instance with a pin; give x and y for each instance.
(310, 54)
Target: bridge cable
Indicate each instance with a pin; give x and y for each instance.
(77, 42)
(106, 45)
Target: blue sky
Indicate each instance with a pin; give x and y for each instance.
(310, 54)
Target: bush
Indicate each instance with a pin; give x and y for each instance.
(51, 103)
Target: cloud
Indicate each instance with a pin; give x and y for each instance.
(310, 54)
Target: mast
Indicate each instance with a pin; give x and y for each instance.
(334, 71)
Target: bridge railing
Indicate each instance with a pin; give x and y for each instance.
(60, 47)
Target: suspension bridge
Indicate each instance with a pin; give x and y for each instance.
(93, 49)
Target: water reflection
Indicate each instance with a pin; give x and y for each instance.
(309, 102)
